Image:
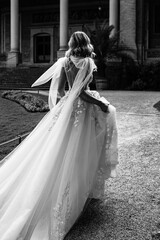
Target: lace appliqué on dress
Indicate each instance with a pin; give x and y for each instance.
(98, 191)
(79, 107)
(109, 158)
(60, 216)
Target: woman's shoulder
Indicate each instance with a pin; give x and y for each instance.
(63, 62)
(62, 59)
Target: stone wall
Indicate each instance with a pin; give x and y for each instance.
(7, 33)
(25, 36)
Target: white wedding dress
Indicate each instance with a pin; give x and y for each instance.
(46, 180)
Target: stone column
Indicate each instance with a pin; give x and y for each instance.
(113, 15)
(13, 56)
(63, 28)
(2, 30)
(128, 23)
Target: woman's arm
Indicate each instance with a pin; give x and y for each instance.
(62, 83)
(88, 98)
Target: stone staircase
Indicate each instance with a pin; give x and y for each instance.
(21, 77)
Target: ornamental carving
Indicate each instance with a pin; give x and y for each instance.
(74, 15)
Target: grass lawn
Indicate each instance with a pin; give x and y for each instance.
(14, 121)
(131, 208)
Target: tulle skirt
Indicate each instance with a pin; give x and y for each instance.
(46, 180)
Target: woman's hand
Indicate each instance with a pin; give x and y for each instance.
(104, 107)
(88, 98)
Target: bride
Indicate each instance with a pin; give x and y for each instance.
(46, 181)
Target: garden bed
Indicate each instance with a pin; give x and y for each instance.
(30, 102)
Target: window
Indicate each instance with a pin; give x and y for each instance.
(157, 19)
(42, 48)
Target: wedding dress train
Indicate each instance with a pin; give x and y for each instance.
(46, 180)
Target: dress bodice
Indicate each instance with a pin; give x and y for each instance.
(71, 71)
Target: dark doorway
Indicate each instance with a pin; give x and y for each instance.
(42, 48)
(154, 24)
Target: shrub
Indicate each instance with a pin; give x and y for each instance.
(107, 47)
(138, 85)
(30, 102)
(143, 76)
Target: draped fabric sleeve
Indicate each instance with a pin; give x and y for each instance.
(53, 74)
(85, 68)
(84, 76)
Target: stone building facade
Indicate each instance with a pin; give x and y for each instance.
(36, 32)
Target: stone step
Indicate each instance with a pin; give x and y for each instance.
(21, 77)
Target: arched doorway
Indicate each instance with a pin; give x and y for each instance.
(42, 48)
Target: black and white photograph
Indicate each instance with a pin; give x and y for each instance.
(80, 120)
